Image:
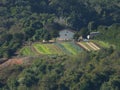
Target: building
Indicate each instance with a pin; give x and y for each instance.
(80, 38)
(66, 34)
(92, 35)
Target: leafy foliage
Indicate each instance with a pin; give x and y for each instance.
(28, 20)
(110, 34)
(87, 71)
(25, 21)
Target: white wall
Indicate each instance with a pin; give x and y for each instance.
(66, 35)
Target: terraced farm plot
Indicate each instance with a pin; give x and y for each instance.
(83, 45)
(42, 48)
(26, 51)
(55, 49)
(69, 48)
(72, 48)
(47, 49)
(89, 46)
(62, 48)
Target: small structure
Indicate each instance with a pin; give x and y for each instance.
(80, 38)
(44, 41)
(92, 35)
(88, 36)
(51, 41)
(66, 34)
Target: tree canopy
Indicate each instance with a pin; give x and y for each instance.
(29, 18)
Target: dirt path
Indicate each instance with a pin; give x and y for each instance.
(10, 62)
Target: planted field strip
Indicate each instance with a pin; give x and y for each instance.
(97, 48)
(42, 48)
(34, 50)
(54, 49)
(72, 48)
(58, 48)
(64, 50)
(69, 48)
(89, 46)
(48, 49)
(83, 46)
(26, 51)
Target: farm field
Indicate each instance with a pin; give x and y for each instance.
(26, 51)
(47, 48)
(89, 46)
(72, 48)
(69, 48)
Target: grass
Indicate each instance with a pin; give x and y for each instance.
(102, 43)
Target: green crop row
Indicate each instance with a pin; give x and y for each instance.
(69, 48)
(72, 47)
(26, 51)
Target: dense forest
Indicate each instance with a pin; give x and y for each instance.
(26, 21)
(87, 71)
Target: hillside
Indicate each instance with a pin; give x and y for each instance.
(28, 63)
(87, 71)
(59, 48)
(27, 20)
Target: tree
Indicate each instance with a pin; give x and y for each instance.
(54, 33)
(47, 37)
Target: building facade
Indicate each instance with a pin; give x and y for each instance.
(66, 34)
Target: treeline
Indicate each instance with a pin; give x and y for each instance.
(110, 34)
(29, 20)
(88, 71)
